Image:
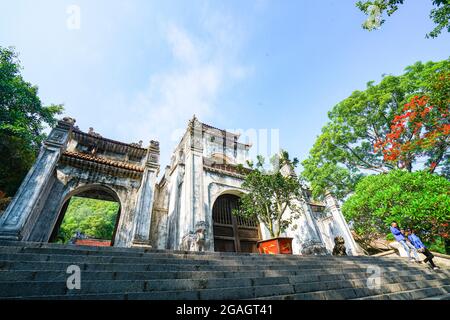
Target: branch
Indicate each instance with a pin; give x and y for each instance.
(368, 166)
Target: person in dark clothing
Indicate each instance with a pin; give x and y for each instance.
(415, 241)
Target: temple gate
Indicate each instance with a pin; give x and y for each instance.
(76, 163)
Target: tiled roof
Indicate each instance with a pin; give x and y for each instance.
(131, 145)
(215, 128)
(113, 163)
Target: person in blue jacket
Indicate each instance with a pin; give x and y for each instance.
(415, 241)
(398, 235)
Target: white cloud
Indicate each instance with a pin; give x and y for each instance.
(202, 68)
(182, 45)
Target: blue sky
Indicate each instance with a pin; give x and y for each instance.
(138, 70)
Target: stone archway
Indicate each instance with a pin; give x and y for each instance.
(233, 233)
(94, 191)
(72, 161)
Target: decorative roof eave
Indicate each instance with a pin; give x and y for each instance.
(92, 163)
(103, 142)
(225, 172)
(207, 126)
(319, 206)
(230, 136)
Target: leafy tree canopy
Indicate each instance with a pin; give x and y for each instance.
(271, 193)
(418, 200)
(345, 151)
(94, 218)
(375, 9)
(22, 121)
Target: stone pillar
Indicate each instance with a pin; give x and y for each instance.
(32, 190)
(175, 206)
(144, 204)
(335, 210)
(314, 233)
(194, 178)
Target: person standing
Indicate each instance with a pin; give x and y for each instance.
(415, 241)
(398, 235)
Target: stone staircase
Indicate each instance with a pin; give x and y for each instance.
(38, 271)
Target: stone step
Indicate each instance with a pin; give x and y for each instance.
(440, 293)
(38, 271)
(27, 288)
(282, 291)
(15, 246)
(139, 252)
(187, 258)
(81, 254)
(17, 288)
(431, 289)
(77, 249)
(311, 275)
(441, 297)
(88, 266)
(74, 259)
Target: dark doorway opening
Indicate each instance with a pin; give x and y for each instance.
(233, 233)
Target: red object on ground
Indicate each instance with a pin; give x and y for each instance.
(93, 243)
(275, 246)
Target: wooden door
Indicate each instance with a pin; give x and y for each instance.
(231, 233)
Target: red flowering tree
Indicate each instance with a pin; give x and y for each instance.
(344, 151)
(422, 130)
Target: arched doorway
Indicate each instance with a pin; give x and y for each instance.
(94, 212)
(232, 233)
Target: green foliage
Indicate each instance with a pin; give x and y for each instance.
(270, 193)
(94, 218)
(437, 245)
(344, 152)
(375, 9)
(418, 200)
(16, 159)
(22, 120)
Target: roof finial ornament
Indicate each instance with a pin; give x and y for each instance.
(91, 132)
(69, 120)
(193, 122)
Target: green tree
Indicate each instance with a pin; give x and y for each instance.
(271, 193)
(344, 152)
(22, 122)
(375, 9)
(418, 200)
(94, 218)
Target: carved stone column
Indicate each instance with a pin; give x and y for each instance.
(29, 196)
(144, 205)
(194, 177)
